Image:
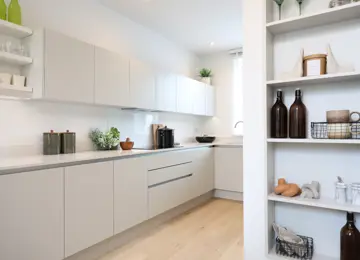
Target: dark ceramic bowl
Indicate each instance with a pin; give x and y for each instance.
(205, 139)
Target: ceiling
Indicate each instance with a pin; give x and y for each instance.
(201, 26)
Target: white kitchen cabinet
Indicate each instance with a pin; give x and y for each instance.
(32, 215)
(185, 95)
(166, 92)
(69, 69)
(199, 98)
(130, 193)
(210, 100)
(204, 176)
(142, 85)
(88, 205)
(229, 168)
(112, 78)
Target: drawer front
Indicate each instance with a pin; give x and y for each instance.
(167, 196)
(156, 177)
(168, 159)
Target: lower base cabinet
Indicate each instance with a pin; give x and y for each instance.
(31, 218)
(203, 168)
(130, 193)
(88, 205)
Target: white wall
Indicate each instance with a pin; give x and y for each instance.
(23, 122)
(222, 65)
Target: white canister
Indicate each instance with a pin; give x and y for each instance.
(5, 78)
(355, 191)
(340, 192)
(18, 81)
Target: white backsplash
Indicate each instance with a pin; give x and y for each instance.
(23, 122)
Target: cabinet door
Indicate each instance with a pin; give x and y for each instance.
(112, 78)
(229, 169)
(88, 205)
(32, 215)
(130, 193)
(210, 100)
(166, 87)
(142, 85)
(199, 98)
(184, 95)
(69, 69)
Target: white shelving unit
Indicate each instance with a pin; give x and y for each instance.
(14, 59)
(15, 88)
(314, 141)
(310, 81)
(326, 17)
(304, 160)
(325, 203)
(14, 30)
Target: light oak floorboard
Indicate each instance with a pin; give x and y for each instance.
(213, 231)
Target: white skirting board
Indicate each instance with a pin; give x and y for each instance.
(230, 195)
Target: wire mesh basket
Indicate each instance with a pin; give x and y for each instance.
(320, 130)
(297, 251)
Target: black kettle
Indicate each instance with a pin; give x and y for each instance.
(165, 138)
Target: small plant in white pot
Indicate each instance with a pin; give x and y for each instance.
(206, 75)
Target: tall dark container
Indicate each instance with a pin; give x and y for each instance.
(279, 118)
(297, 126)
(350, 240)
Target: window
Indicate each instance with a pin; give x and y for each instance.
(238, 95)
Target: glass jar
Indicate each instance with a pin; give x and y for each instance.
(340, 192)
(355, 192)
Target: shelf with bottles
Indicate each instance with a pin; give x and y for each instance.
(324, 16)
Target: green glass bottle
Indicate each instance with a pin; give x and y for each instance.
(2, 10)
(14, 12)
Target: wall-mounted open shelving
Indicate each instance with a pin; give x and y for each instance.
(14, 59)
(304, 160)
(14, 30)
(326, 17)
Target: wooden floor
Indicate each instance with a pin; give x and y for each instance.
(210, 232)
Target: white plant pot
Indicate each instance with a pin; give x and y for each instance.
(206, 80)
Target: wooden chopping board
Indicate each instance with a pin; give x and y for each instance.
(154, 133)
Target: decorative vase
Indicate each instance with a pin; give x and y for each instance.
(14, 12)
(206, 80)
(2, 10)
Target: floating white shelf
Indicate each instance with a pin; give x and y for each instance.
(273, 255)
(15, 88)
(309, 81)
(314, 141)
(14, 30)
(14, 58)
(325, 203)
(326, 17)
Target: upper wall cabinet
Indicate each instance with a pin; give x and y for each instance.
(142, 85)
(184, 95)
(69, 69)
(199, 98)
(112, 78)
(210, 100)
(166, 87)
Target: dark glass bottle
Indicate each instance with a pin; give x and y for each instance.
(350, 240)
(297, 128)
(279, 118)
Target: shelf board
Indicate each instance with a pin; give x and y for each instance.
(15, 88)
(14, 30)
(274, 256)
(324, 203)
(314, 141)
(310, 81)
(326, 17)
(14, 59)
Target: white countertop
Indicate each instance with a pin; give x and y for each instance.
(30, 163)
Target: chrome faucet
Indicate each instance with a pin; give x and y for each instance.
(238, 123)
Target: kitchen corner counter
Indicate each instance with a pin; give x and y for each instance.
(39, 162)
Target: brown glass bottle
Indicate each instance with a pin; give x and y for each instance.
(350, 240)
(279, 118)
(297, 127)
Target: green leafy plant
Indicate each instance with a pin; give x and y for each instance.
(205, 73)
(105, 140)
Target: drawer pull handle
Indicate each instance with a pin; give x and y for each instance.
(170, 166)
(168, 181)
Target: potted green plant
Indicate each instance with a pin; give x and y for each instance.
(206, 75)
(109, 140)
